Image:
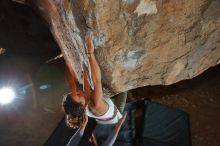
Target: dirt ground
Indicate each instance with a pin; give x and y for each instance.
(200, 97)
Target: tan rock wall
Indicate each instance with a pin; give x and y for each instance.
(142, 42)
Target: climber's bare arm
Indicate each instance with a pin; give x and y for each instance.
(86, 86)
(72, 83)
(95, 71)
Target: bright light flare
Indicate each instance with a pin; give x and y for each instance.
(7, 95)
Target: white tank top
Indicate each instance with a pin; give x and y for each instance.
(110, 117)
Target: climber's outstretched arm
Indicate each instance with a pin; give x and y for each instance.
(86, 86)
(95, 71)
(72, 83)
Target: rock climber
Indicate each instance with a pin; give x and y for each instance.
(94, 104)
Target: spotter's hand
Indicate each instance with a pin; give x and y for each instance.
(122, 120)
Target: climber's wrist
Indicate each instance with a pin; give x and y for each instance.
(90, 53)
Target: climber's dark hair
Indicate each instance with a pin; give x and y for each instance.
(74, 112)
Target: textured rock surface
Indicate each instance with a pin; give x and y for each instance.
(138, 42)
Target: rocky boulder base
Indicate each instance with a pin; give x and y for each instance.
(138, 42)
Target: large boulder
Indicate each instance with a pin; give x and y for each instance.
(138, 42)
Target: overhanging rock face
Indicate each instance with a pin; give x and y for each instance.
(138, 42)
